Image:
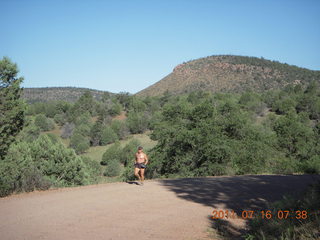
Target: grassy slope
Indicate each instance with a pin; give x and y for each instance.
(97, 151)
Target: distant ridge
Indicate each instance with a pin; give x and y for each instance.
(70, 94)
(229, 73)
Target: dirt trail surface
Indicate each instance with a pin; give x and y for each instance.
(161, 209)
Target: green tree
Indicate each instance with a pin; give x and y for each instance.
(60, 119)
(294, 137)
(137, 122)
(79, 143)
(44, 123)
(128, 151)
(113, 152)
(96, 133)
(120, 128)
(108, 136)
(11, 105)
(113, 168)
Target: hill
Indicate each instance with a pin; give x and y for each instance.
(228, 73)
(70, 94)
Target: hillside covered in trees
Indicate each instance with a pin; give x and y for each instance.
(69, 94)
(228, 73)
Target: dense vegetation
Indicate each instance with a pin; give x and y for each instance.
(204, 134)
(229, 73)
(11, 107)
(69, 94)
(46, 144)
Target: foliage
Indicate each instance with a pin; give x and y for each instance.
(108, 136)
(96, 133)
(60, 119)
(66, 94)
(111, 159)
(11, 106)
(79, 143)
(44, 123)
(307, 227)
(216, 134)
(120, 128)
(41, 164)
(113, 152)
(128, 151)
(67, 130)
(30, 132)
(112, 168)
(137, 122)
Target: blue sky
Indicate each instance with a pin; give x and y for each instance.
(129, 45)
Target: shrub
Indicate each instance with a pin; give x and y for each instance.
(312, 166)
(30, 133)
(113, 168)
(113, 152)
(60, 119)
(128, 151)
(137, 122)
(79, 143)
(120, 128)
(67, 130)
(108, 136)
(96, 133)
(92, 170)
(19, 172)
(43, 122)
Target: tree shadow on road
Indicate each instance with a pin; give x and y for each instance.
(238, 193)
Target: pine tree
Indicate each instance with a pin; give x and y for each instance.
(11, 105)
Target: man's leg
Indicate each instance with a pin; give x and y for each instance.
(136, 173)
(142, 175)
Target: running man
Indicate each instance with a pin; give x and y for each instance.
(140, 164)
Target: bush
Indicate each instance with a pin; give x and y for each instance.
(30, 133)
(108, 136)
(128, 151)
(44, 123)
(79, 143)
(113, 152)
(120, 128)
(128, 173)
(19, 172)
(113, 168)
(54, 139)
(282, 165)
(115, 109)
(96, 133)
(92, 170)
(67, 130)
(137, 122)
(312, 166)
(60, 119)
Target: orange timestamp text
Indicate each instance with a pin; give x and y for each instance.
(264, 214)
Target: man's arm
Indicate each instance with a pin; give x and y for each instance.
(146, 157)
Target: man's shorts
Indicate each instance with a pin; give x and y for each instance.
(140, 165)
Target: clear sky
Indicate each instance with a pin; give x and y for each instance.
(129, 45)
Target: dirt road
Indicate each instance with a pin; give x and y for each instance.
(162, 209)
